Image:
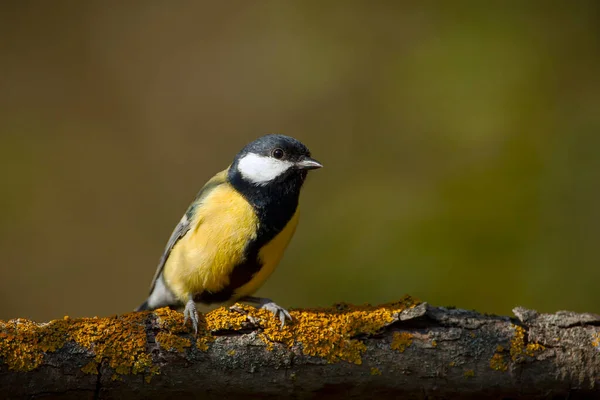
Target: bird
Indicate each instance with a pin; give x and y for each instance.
(235, 232)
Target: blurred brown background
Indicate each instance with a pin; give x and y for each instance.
(460, 145)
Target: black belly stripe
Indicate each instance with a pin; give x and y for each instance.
(244, 272)
(241, 274)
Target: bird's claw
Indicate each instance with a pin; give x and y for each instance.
(267, 304)
(279, 312)
(190, 313)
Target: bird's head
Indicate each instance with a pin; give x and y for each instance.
(273, 160)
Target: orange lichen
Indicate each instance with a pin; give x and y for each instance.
(171, 322)
(331, 333)
(172, 342)
(23, 343)
(203, 341)
(531, 348)
(90, 368)
(322, 332)
(517, 344)
(497, 363)
(401, 341)
(224, 319)
(518, 349)
(120, 342)
(595, 340)
(375, 371)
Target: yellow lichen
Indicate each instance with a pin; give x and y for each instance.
(518, 349)
(375, 371)
(120, 342)
(595, 340)
(203, 341)
(531, 348)
(452, 364)
(171, 321)
(266, 340)
(401, 341)
(497, 363)
(116, 378)
(225, 319)
(170, 341)
(329, 333)
(90, 368)
(469, 373)
(23, 343)
(153, 371)
(517, 344)
(433, 343)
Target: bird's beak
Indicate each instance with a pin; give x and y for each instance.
(308, 163)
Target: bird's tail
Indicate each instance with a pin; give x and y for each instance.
(144, 307)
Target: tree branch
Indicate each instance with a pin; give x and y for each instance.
(406, 349)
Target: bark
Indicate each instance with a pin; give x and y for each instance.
(423, 352)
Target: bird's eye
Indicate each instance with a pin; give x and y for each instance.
(278, 154)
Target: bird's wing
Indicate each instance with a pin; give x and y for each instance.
(184, 225)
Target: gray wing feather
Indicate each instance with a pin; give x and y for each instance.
(184, 225)
(180, 230)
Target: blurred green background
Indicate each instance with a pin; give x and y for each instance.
(460, 141)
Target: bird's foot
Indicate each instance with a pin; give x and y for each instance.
(267, 304)
(279, 312)
(191, 314)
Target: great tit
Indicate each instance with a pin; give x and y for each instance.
(234, 233)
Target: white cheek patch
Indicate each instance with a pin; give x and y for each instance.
(260, 170)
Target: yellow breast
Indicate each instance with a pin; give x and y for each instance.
(270, 255)
(204, 258)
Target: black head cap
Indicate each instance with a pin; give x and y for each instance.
(293, 149)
